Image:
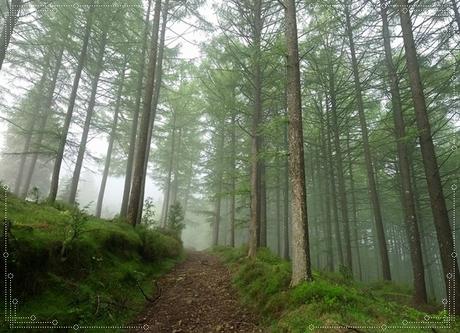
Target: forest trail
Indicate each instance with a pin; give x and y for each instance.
(197, 296)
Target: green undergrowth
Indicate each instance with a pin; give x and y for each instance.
(330, 303)
(77, 269)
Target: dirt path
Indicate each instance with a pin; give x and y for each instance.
(197, 296)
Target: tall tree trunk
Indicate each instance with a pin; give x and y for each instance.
(301, 264)
(68, 118)
(413, 234)
(326, 176)
(430, 164)
(286, 242)
(333, 191)
(353, 208)
(25, 150)
(263, 204)
(278, 204)
(189, 187)
(134, 125)
(340, 168)
(108, 157)
(175, 187)
(425, 245)
(233, 181)
(170, 168)
(30, 129)
(220, 174)
(47, 110)
(156, 96)
(254, 226)
(383, 251)
(163, 205)
(8, 27)
(396, 251)
(138, 175)
(317, 204)
(89, 116)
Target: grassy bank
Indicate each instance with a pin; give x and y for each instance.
(331, 303)
(74, 269)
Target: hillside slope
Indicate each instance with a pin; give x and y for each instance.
(331, 303)
(66, 269)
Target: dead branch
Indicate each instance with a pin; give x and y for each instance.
(150, 299)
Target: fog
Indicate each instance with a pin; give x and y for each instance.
(221, 124)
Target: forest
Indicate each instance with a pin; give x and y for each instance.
(229, 166)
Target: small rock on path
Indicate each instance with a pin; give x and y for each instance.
(197, 296)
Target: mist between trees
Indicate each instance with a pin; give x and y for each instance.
(324, 130)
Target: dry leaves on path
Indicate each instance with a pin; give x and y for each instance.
(197, 296)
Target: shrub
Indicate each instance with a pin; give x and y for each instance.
(74, 229)
(118, 242)
(176, 218)
(320, 290)
(170, 233)
(148, 213)
(156, 245)
(35, 194)
(62, 206)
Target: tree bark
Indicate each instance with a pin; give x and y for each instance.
(68, 118)
(134, 125)
(108, 157)
(22, 161)
(354, 213)
(425, 245)
(430, 164)
(170, 167)
(383, 251)
(8, 27)
(189, 187)
(30, 129)
(301, 264)
(233, 182)
(332, 186)
(175, 187)
(47, 110)
(254, 227)
(278, 204)
(156, 97)
(420, 296)
(263, 204)
(327, 186)
(340, 172)
(163, 205)
(138, 175)
(286, 252)
(316, 202)
(89, 116)
(220, 174)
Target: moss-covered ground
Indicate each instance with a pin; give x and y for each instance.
(330, 303)
(67, 268)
